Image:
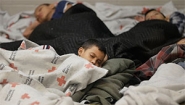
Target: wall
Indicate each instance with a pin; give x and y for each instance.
(14, 6)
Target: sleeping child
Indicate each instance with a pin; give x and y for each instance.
(46, 12)
(92, 50)
(175, 18)
(42, 71)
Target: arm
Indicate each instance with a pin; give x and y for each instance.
(30, 28)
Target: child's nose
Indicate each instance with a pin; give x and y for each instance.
(152, 17)
(93, 61)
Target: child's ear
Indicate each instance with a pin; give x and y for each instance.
(80, 51)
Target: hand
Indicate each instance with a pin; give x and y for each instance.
(182, 41)
(34, 24)
(139, 18)
(30, 28)
(167, 18)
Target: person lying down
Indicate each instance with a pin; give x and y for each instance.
(46, 12)
(40, 68)
(175, 18)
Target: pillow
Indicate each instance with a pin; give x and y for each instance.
(168, 8)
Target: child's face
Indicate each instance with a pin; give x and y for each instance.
(93, 55)
(42, 12)
(154, 15)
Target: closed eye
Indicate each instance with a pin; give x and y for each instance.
(156, 13)
(92, 56)
(40, 9)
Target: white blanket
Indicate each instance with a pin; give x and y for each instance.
(12, 27)
(40, 75)
(166, 87)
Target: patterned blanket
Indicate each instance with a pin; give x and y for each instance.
(165, 55)
(31, 72)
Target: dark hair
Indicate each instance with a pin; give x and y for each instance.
(93, 42)
(150, 10)
(46, 4)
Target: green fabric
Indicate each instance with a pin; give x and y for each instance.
(105, 91)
